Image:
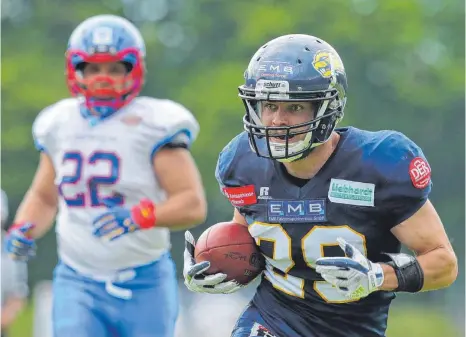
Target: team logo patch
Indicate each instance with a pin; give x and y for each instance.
(294, 211)
(102, 35)
(351, 192)
(131, 120)
(241, 196)
(102, 40)
(419, 171)
(326, 63)
(258, 330)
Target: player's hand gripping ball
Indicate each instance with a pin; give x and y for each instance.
(224, 259)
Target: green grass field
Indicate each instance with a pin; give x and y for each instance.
(406, 322)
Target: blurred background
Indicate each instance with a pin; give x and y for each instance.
(405, 65)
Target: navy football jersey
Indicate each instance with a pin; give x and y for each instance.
(372, 182)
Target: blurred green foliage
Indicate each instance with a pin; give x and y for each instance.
(404, 59)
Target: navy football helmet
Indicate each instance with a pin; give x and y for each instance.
(293, 68)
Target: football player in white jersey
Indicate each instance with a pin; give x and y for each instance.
(118, 169)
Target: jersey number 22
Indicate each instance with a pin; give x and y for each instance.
(90, 197)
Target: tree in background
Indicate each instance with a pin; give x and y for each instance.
(404, 59)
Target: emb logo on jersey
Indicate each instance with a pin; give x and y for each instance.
(351, 192)
(293, 211)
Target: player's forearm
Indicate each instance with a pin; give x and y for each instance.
(10, 311)
(181, 211)
(390, 282)
(439, 266)
(37, 209)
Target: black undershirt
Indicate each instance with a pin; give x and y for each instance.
(292, 179)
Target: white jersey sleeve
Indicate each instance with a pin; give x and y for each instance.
(5, 209)
(45, 124)
(169, 123)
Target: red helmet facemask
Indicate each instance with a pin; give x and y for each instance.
(103, 94)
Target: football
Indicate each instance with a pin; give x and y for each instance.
(231, 250)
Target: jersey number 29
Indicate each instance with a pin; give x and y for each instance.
(91, 197)
(312, 247)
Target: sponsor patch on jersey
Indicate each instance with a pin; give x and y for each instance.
(294, 211)
(241, 196)
(419, 171)
(351, 192)
(131, 120)
(258, 330)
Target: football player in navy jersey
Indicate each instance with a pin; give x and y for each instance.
(328, 207)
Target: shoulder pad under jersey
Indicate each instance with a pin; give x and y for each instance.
(404, 173)
(49, 120)
(167, 121)
(239, 170)
(230, 169)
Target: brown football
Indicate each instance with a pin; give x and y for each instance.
(231, 250)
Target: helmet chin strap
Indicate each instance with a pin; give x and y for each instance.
(292, 159)
(305, 153)
(279, 149)
(301, 155)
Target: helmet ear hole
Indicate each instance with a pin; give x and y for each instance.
(80, 66)
(128, 66)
